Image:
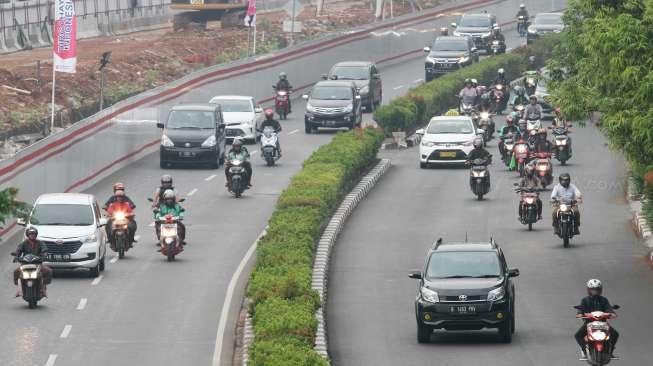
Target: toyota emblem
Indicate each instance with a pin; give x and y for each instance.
(187, 144)
(462, 297)
(59, 241)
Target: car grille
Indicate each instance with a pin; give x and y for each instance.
(68, 247)
(231, 132)
(187, 144)
(467, 299)
(329, 110)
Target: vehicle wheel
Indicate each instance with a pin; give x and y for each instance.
(171, 256)
(370, 107)
(423, 165)
(530, 226)
(479, 196)
(95, 271)
(512, 323)
(505, 330)
(307, 128)
(102, 263)
(565, 241)
(32, 304)
(563, 162)
(215, 164)
(423, 333)
(121, 253)
(270, 161)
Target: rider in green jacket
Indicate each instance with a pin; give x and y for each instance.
(171, 207)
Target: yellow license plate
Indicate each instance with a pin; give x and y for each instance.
(447, 154)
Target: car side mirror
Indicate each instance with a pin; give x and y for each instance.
(514, 272)
(274, 87)
(159, 125)
(376, 76)
(427, 49)
(420, 132)
(103, 221)
(325, 76)
(454, 25)
(415, 274)
(305, 96)
(151, 200)
(358, 97)
(181, 200)
(258, 110)
(21, 221)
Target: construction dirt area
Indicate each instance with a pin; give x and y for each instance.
(143, 60)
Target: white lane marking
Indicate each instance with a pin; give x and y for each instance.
(151, 224)
(51, 359)
(97, 280)
(210, 177)
(398, 87)
(113, 260)
(192, 192)
(253, 152)
(66, 331)
(417, 81)
(293, 132)
(224, 314)
(82, 304)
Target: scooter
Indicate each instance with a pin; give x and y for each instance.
(486, 123)
(566, 221)
(543, 168)
(562, 145)
(507, 144)
(528, 205)
(530, 81)
(120, 233)
(497, 47)
(157, 224)
(170, 242)
(521, 151)
(598, 347)
(237, 178)
(533, 124)
(479, 177)
(31, 278)
(282, 102)
(269, 150)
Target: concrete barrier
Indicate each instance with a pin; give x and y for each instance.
(88, 27)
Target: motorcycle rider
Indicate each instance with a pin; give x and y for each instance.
(120, 196)
(119, 187)
(519, 96)
(508, 129)
(533, 110)
(271, 122)
(522, 12)
(498, 36)
(531, 181)
(468, 94)
(478, 152)
(239, 152)
(523, 130)
(542, 144)
(171, 207)
(594, 301)
(33, 246)
(166, 183)
(565, 192)
(284, 84)
(120, 204)
(501, 78)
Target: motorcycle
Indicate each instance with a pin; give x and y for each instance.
(530, 81)
(528, 203)
(562, 145)
(466, 109)
(170, 242)
(522, 25)
(282, 102)
(498, 98)
(497, 47)
(566, 221)
(543, 168)
(486, 123)
(506, 146)
(31, 278)
(521, 151)
(269, 150)
(519, 108)
(598, 347)
(119, 228)
(479, 177)
(533, 124)
(157, 224)
(237, 177)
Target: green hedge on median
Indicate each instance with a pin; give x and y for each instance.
(283, 303)
(435, 97)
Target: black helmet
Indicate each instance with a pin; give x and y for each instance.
(565, 179)
(31, 231)
(478, 143)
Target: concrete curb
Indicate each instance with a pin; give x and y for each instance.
(639, 220)
(328, 239)
(248, 338)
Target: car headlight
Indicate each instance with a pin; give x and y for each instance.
(310, 108)
(532, 30)
(428, 143)
(166, 142)
(485, 35)
(349, 108)
(430, 59)
(365, 89)
(209, 142)
(90, 239)
(463, 59)
(429, 295)
(496, 294)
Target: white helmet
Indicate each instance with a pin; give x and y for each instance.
(522, 6)
(501, 71)
(594, 284)
(168, 194)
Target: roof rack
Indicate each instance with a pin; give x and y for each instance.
(437, 243)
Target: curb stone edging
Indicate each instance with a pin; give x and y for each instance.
(328, 239)
(639, 220)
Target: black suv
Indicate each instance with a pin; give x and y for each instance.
(465, 286)
(477, 26)
(448, 54)
(333, 104)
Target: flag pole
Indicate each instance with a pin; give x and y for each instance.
(54, 77)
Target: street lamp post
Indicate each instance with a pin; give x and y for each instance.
(104, 61)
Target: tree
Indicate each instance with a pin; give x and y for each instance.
(9, 207)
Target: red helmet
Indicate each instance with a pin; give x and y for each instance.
(269, 113)
(118, 187)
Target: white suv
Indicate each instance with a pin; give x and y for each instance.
(241, 114)
(71, 226)
(447, 140)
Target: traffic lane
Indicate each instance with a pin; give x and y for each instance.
(368, 271)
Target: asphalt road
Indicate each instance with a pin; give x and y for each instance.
(143, 310)
(371, 318)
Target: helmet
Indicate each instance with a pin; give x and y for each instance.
(118, 187)
(478, 142)
(468, 81)
(31, 231)
(269, 113)
(452, 112)
(522, 6)
(169, 196)
(510, 120)
(237, 142)
(594, 287)
(564, 179)
(496, 28)
(282, 76)
(529, 169)
(166, 179)
(501, 71)
(531, 58)
(474, 82)
(532, 98)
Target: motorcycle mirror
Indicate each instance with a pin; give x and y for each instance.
(258, 110)
(514, 272)
(426, 49)
(21, 221)
(453, 24)
(569, 125)
(515, 184)
(181, 200)
(159, 125)
(274, 87)
(103, 221)
(305, 97)
(616, 307)
(578, 307)
(151, 200)
(415, 274)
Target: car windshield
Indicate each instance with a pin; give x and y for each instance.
(450, 45)
(60, 214)
(549, 19)
(437, 127)
(463, 265)
(332, 93)
(351, 72)
(475, 21)
(232, 105)
(194, 120)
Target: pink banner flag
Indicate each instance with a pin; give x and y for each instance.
(250, 18)
(65, 36)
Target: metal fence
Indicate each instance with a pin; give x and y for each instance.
(14, 14)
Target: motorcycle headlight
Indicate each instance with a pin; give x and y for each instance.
(496, 43)
(349, 108)
(529, 200)
(236, 162)
(166, 142)
(209, 142)
(561, 142)
(169, 240)
(310, 108)
(485, 115)
(90, 239)
(496, 294)
(428, 143)
(530, 81)
(365, 90)
(532, 30)
(119, 216)
(429, 295)
(463, 59)
(564, 207)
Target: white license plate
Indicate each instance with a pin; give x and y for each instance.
(187, 154)
(463, 309)
(58, 257)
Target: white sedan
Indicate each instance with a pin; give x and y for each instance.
(241, 115)
(447, 140)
